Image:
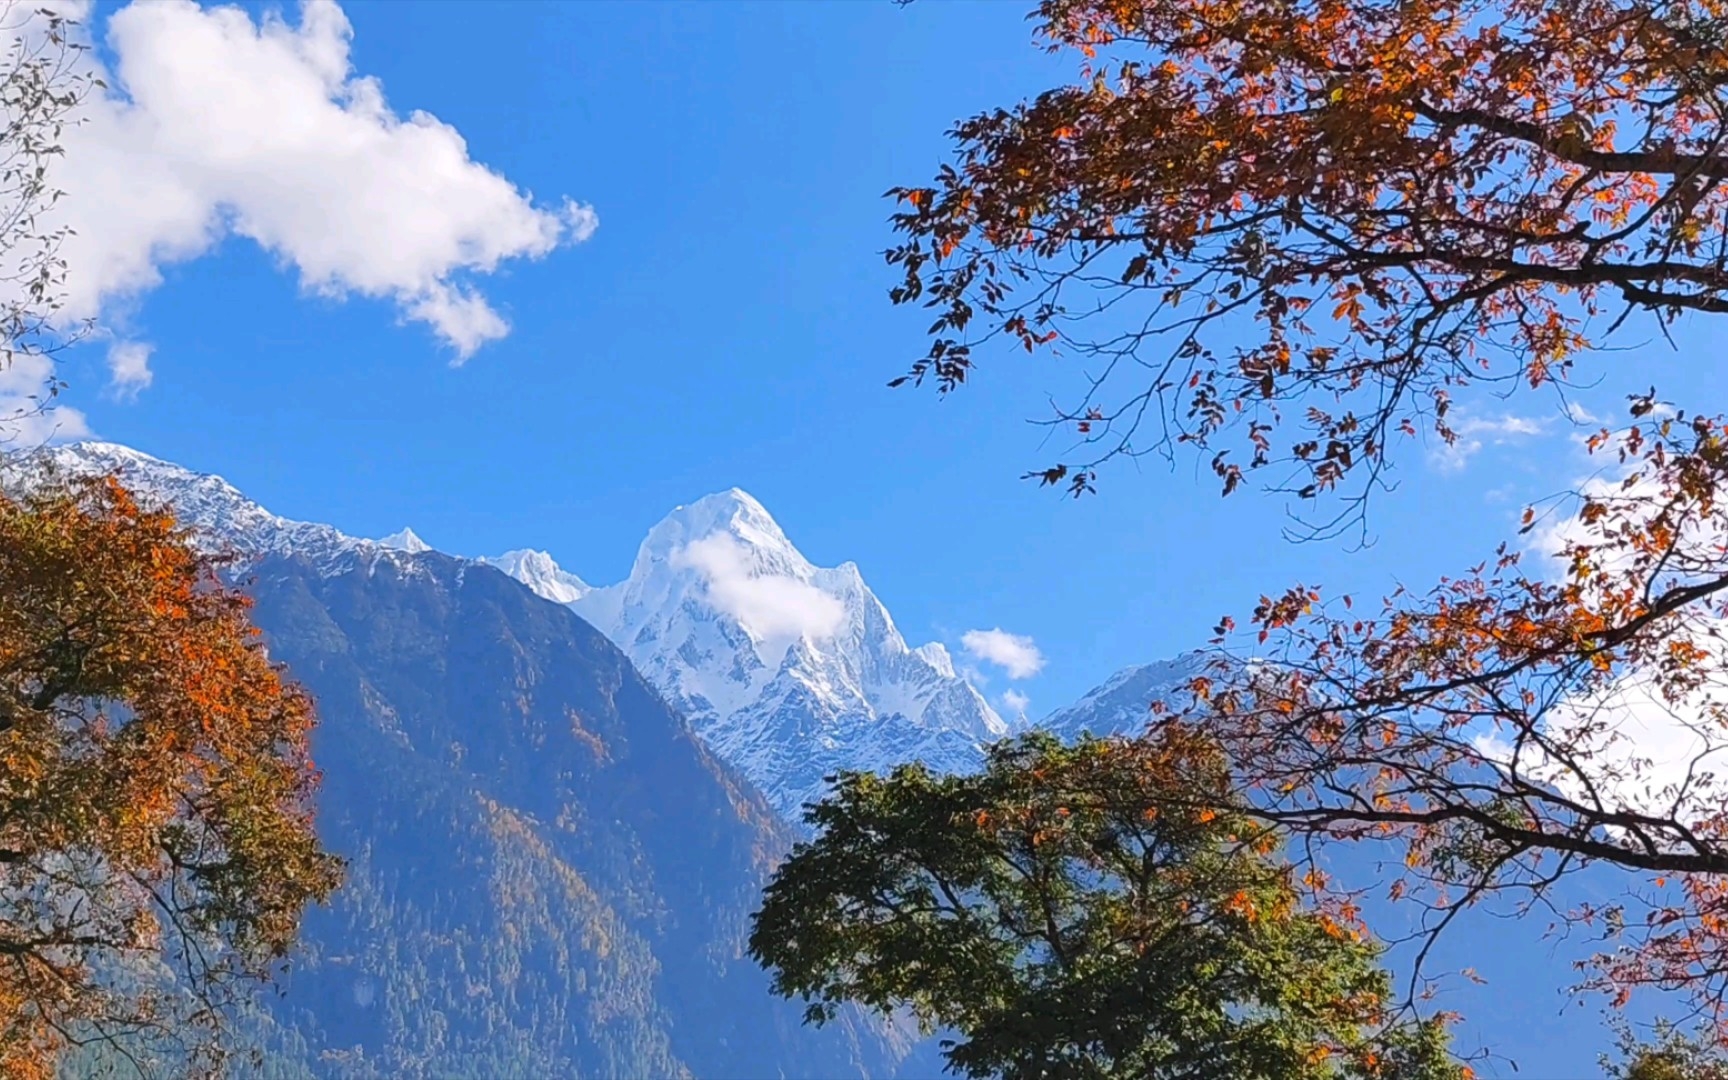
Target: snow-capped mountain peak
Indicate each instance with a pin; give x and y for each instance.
(540, 572)
(1121, 705)
(407, 541)
(734, 514)
(733, 507)
(789, 670)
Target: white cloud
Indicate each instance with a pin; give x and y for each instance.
(1627, 747)
(1014, 653)
(219, 125)
(1631, 743)
(129, 368)
(1016, 703)
(25, 418)
(771, 607)
(1475, 432)
(215, 125)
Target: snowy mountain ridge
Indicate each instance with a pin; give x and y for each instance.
(1121, 705)
(220, 517)
(539, 572)
(789, 671)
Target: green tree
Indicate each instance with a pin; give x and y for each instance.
(1094, 910)
(1669, 1054)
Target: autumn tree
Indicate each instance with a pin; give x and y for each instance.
(44, 78)
(1309, 223)
(1519, 723)
(1069, 919)
(1290, 231)
(156, 840)
(156, 844)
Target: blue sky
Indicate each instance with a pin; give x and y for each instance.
(726, 324)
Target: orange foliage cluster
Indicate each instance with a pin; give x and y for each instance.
(1375, 199)
(1494, 728)
(154, 781)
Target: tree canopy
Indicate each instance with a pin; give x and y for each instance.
(1088, 911)
(1669, 1053)
(1291, 232)
(156, 840)
(1333, 213)
(1516, 723)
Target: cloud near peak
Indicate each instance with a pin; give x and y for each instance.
(1015, 654)
(129, 368)
(773, 607)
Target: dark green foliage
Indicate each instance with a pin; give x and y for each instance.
(1088, 911)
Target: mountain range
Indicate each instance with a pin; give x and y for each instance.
(549, 872)
(559, 802)
(787, 671)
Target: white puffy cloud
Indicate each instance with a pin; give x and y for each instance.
(1015, 654)
(220, 125)
(129, 368)
(215, 125)
(1016, 702)
(1475, 432)
(769, 606)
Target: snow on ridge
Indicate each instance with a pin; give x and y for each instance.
(219, 516)
(838, 690)
(790, 671)
(1121, 704)
(541, 573)
(937, 656)
(406, 541)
